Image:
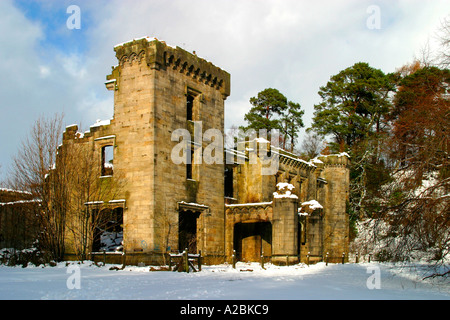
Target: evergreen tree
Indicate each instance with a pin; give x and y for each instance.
(272, 110)
(292, 121)
(353, 104)
(268, 106)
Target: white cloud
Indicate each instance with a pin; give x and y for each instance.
(292, 45)
(44, 71)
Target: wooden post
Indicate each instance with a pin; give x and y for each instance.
(262, 260)
(123, 260)
(104, 257)
(186, 261)
(326, 259)
(234, 259)
(370, 255)
(307, 258)
(343, 257)
(200, 260)
(287, 260)
(357, 258)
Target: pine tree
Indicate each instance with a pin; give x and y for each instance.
(292, 121)
(353, 104)
(272, 111)
(268, 106)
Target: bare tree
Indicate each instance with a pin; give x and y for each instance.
(444, 39)
(88, 209)
(312, 145)
(31, 167)
(439, 57)
(65, 178)
(167, 225)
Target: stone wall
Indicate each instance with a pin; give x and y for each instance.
(19, 227)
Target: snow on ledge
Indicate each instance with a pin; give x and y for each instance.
(312, 204)
(99, 123)
(282, 186)
(249, 204)
(15, 191)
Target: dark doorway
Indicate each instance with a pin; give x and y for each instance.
(252, 239)
(187, 230)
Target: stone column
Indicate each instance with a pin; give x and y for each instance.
(285, 229)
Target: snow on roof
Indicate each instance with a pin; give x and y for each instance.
(280, 152)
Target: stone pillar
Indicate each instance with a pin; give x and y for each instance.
(285, 229)
(336, 218)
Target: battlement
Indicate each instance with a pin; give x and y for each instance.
(160, 56)
(334, 160)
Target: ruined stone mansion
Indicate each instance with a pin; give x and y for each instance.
(221, 208)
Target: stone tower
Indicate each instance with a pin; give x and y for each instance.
(159, 89)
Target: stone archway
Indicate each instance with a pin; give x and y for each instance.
(252, 240)
(249, 230)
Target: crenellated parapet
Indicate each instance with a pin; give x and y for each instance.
(160, 56)
(333, 160)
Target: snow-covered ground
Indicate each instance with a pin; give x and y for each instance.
(362, 281)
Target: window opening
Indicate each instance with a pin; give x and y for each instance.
(107, 160)
(190, 157)
(189, 107)
(228, 182)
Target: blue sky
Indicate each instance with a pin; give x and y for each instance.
(52, 17)
(292, 45)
